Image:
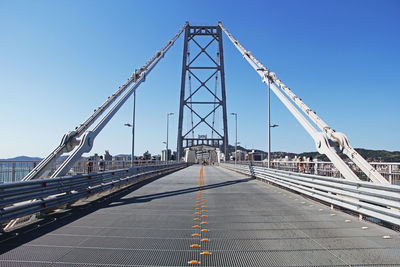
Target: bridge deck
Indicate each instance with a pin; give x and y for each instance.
(250, 223)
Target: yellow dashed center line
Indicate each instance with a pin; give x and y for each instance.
(198, 227)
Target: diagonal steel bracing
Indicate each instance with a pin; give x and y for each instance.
(217, 101)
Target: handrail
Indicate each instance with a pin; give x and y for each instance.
(381, 201)
(28, 197)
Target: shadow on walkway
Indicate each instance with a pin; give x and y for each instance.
(49, 223)
(18, 237)
(147, 198)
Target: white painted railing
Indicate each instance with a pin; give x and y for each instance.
(365, 198)
(28, 197)
(389, 170)
(14, 171)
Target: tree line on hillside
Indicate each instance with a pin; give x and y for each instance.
(369, 154)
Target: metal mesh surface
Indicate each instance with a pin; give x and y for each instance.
(249, 223)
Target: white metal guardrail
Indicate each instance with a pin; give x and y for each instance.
(14, 171)
(389, 170)
(365, 198)
(24, 198)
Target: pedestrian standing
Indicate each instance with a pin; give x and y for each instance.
(301, 167)
(89, 165)
(102, 164)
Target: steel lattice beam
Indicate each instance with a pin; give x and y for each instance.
(186, 102)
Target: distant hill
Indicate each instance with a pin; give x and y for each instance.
(23, 158)
(62, 158)
(26, 158)
(369, 154)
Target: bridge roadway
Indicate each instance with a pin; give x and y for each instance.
(250, 223)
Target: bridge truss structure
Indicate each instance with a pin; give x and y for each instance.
(212, 69)
(327, 140)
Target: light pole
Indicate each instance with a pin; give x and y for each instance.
(166, 152)
(269, 123)
(133, 125)
(133, 139)
(133, 128)
(235, 114)
(269, 142)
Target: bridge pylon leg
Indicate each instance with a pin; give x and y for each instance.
(202, 68)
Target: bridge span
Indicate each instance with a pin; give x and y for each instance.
(175, 220)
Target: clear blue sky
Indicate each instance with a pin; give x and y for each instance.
(59, 60)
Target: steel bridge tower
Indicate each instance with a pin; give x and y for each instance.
(203, 65)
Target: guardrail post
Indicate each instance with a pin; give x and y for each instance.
(390, 174)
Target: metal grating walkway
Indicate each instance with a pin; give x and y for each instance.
(249, 223)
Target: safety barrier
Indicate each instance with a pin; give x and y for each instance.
(389, 170)
(29, 197)
(365, 198)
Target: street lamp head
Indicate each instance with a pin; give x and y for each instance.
(274, 125)
(170, 113)
(233, 113)
(127, 124)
